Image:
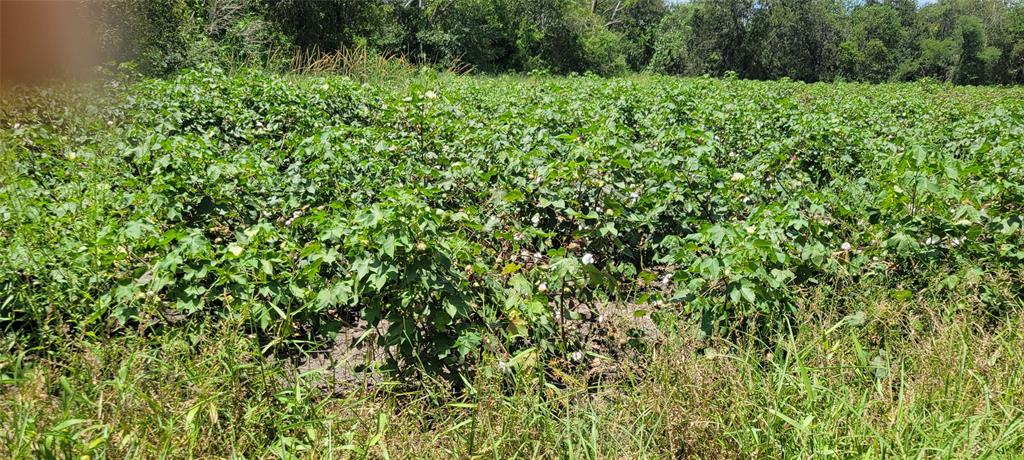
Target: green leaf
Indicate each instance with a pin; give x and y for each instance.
(388, 245)
(235, 249)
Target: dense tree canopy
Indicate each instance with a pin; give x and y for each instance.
(963, 41)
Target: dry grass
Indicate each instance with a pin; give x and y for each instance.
(363, 64)
(834, 388)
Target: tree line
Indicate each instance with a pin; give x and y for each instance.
(962, 41)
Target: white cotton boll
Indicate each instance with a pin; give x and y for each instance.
(931, 240)
(535, 219)
(577, 356)
(846, 246)
(588, 258)
(737, 176)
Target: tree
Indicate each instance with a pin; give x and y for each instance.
(875, 44)
(334, 24)
(637, 22)
(975, 57)
(672, 44)
(798, 39)
(1015, 61)
(160, 36)
(705, 37)
(966, 41)
(481, 33)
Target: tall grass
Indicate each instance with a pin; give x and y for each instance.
(858, 376)
(359, 63)
(363, 64)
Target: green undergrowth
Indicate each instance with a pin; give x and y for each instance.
(899, 378)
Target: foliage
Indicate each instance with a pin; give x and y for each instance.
(976, 58)
(332, 24)
(962, 41)
(819, 40)
(876, 44)
(797, 38)
(160, 35)
(457, 213)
